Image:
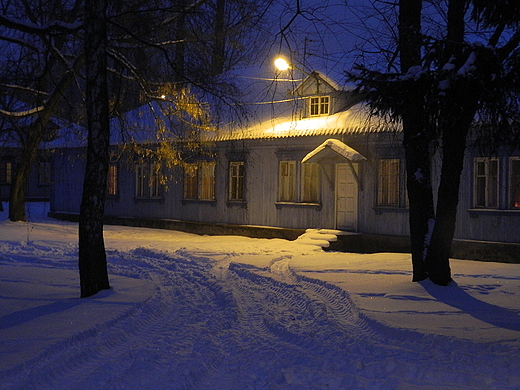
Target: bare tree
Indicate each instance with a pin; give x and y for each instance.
(149, 45)
(133, 49)
(40, 63)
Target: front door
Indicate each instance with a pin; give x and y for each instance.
(346, 197)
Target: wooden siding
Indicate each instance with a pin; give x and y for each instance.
(261, 207)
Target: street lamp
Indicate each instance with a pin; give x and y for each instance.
(281, 64)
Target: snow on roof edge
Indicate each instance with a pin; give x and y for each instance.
(355, 120)
(338, 147)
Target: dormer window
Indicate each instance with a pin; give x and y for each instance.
(319, 105)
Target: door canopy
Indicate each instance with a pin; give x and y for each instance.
(333, 151)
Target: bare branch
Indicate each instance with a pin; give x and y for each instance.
(31, 28)
(290, 22)
(510, 46)
(128, 65)
(22, 114)
(23, 88)
(20, 42)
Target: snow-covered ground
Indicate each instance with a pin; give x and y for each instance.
(199, 312)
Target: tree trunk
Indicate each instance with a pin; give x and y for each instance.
(420, 195)
(17, 195)
(23, 171)
(447, 200)
(18, 187)
(416, 138)
(454, 133)
(457, 115)
(92, 255)
(35, 135)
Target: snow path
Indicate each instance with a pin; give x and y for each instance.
(213, 322)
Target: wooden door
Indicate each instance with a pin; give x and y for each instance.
(346, 197)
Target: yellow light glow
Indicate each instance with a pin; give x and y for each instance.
(281, 64)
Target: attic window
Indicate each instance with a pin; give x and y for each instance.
(319, 105)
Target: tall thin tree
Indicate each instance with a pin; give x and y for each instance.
(92, 255)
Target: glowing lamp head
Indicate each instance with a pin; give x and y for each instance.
(281, 64)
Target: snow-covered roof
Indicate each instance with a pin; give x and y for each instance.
(150, 122)
(144, 124)
(355, 120)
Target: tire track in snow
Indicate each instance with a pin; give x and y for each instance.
(213, 323)
(366, 351)
(283, 314)
(148, 339)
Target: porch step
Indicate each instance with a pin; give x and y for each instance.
(320, 237)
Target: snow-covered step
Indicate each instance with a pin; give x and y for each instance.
(320, 237)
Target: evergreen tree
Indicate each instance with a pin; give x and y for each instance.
(446, 82)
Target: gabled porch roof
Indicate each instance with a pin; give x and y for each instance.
(333, 150)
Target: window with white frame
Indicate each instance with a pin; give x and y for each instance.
(190, 181)
(236, 180)
(155, 182)
(112, 180)
(319, 105)
(141, 176)
(207, 181)
(298, 183)
(388, 187)
(310, 191)
(514, 182)
(147, 181)
(199, 181)
(485, 185)
(287, 181)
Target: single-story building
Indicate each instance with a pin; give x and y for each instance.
(328, 165)
(39, 181)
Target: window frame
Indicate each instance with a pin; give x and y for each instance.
(190, 188)
(514, 184)
(199, 181)
(113, 180)
(148, 181)
(295, 186)
(207, 181)
(287, 181)
(389, 193)
(155, 182)
(310, 183)
(236, 181)
(486, 186)
(319, 105)
(141, 176)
